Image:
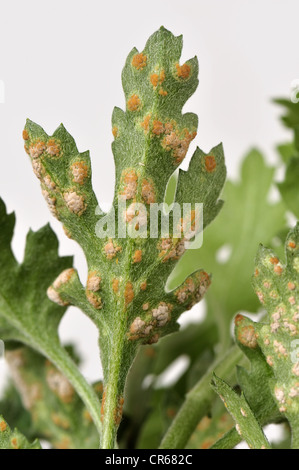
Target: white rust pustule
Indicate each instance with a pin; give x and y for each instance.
(51, 201)
(111, 249)
(37, 149)
(49, 183)
(53, 148)
(53, 290)
(93, 281)
(162, 313)
(55, 297)
(74, 202)
(79, 172)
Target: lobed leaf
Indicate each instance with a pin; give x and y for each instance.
(276, 285)
(247, 218)
(290, 153)
(125, 291)
(58, 414)
(14, 439)
(26, 313)
(246, 423)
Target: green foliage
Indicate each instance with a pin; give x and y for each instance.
(151, 138)
(255, 381)
(291, 118)
(246, 424)
(142, 173)
(289, 188)
(247, 219)
(211, 428)
(290, 155)
(270, 387)
(148, 411)
(14, 439)
(58, 414)
(276, 285)
(138, 286)
(26, 313)
(11, 405)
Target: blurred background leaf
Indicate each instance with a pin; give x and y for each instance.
(289, 152)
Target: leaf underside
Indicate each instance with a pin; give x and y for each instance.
(14, 439)
(151, 138)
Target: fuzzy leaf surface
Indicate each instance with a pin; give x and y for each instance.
(14, 439)
(127, 268)
(247, 218)
(26, 313)
(246, 423)
(58, 414)
(289, 187)
(276, 285)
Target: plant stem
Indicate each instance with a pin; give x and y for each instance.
(120, 358)
(69, 369)
(228, 441)
(111, 397)
(198, 401)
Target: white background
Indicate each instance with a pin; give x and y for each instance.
(61, 61)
